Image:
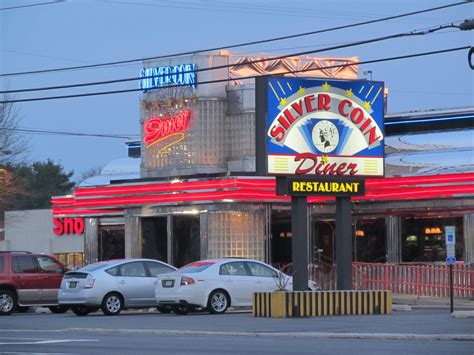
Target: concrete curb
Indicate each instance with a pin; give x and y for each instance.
(401, 307)
(462, 314)
(315, 335)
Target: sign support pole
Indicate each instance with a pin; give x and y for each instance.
(451, 287)
(299, 242)
(344, 243)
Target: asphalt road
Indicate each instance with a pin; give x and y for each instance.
(415, 332)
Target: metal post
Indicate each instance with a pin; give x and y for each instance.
(299, 243)
(451, 286)
(344, 243)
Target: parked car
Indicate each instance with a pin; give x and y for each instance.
(28, 279)
(112, 286)
(218, 284)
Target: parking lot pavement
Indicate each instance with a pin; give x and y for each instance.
(417, 321)
(418, 331)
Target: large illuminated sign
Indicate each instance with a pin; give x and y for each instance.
(321, 186)
(152, 78)
(169, 130)
(324, 127)
(68, 226)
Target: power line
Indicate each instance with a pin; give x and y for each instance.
(248, 9)
(64, 133)
(312, 51)
(31, 5)
(243, 78)
(239, 44)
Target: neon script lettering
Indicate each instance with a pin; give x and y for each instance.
(182, 75)
(157, 128)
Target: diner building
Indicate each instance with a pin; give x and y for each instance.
(192, 191)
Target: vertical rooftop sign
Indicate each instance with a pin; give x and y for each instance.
(319, 127)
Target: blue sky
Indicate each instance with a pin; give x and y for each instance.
(77, 32)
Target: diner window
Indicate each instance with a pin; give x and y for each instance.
(71, 260)
(369, 240)
(423, 239)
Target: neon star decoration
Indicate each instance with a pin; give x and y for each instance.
(326, 86)
(324, 159)
(367, 105)
(301, 91)
(283, 101)
(349, 93)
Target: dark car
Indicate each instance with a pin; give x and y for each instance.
(28, 279)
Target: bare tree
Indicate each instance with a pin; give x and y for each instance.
(94, 171)
(12, 145)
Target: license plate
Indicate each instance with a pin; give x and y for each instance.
(167, 283)
(72, 284)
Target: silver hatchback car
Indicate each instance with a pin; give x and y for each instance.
(112, 286)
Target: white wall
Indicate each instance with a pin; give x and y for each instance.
(32, 230)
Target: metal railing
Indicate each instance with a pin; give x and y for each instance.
(409, 279)
(419, 280)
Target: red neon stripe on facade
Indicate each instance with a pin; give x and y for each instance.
(259, 183)
(180, 186)
(74, 211)
(249, 190)
(245, 194)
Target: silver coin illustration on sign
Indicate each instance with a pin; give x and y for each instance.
(325, 136)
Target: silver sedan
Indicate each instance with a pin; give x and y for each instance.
(112, 286)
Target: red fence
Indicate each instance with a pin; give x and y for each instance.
(419, 280)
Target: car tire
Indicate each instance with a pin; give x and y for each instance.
(181, 310)
(164, 309)
(58, 309)
(80, 311)
(218, 302)
(7, 302)
(22, 309)
(112, 304)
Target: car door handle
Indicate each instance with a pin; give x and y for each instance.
(122, 282)
(259, 282)
(155, 283)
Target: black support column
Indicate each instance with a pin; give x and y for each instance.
(299, 243)
(344, 243)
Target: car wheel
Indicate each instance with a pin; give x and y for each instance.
(181, 310)
(164, 309)
(218, 302)
(58, 309)
(7, 302)
(22, 309)
(80, 311)
(112, 304)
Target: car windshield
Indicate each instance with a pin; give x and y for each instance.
(195, 267)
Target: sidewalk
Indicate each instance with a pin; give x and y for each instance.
(432, 302)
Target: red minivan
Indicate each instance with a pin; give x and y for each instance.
(28, 279)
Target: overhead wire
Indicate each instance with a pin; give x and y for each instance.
(236, 45)
(248, 9)
(31, 5)
(65, 133)
(244, 78)
(247, 62)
